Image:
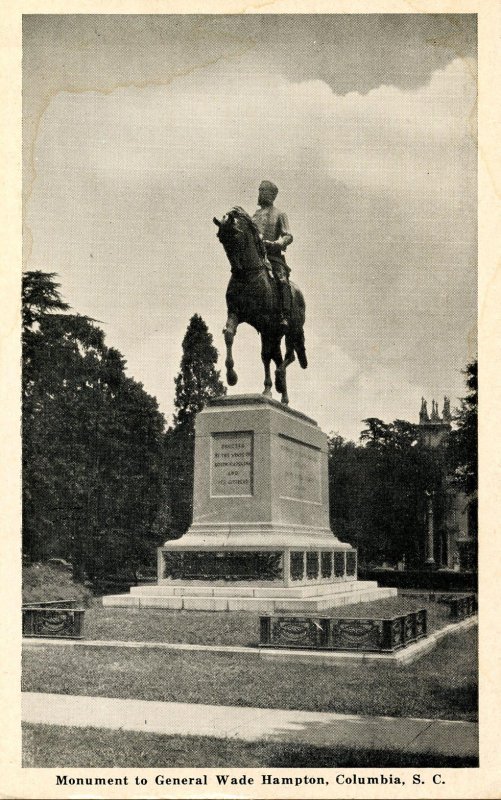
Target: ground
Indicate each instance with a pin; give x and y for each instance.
(50, 746)
(227, 628)
(441, 685)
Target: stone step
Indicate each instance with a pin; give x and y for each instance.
(308, 590)
(258, 604)
(323, 603)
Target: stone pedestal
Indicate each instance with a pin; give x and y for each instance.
(260, 538)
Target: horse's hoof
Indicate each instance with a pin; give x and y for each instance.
(284, 400)
(267, 393)
(231, 377)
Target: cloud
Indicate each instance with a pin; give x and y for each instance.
(385, 139)
(380, 190)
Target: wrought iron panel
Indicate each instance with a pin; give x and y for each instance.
(351, 563)
(348, 634)
(293, 632)
(53, 622)
(326, 564)
(339, 565)
(356, 634)
(312, 565)
(223, 565)
(297, 565)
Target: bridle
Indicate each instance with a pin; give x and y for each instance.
(232, 219)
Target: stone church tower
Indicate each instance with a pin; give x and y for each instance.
(435, 428)
(445, 547)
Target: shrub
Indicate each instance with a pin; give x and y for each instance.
(45, 582)
(422, 579)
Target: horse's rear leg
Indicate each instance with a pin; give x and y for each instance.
(229, 332)
(280, 382)
(281, 372)
(266, 359)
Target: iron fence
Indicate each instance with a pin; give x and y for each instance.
(343, 633)
(53, 620)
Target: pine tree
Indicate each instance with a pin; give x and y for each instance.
(198, 379)
(197, 382)
(40, 295)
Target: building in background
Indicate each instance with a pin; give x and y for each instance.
(451, 536)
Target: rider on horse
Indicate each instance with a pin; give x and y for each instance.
(251, 296)
(274, 228)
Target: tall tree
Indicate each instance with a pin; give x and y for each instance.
(404, 472)
(40, 295)
(60, 356)
(463, 458)
(197, 382)
(464, 439)
(349, 493)
(92, 443)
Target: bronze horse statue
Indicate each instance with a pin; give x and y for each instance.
(252, 297)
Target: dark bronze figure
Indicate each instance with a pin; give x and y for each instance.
(253, 297)
(273, 226)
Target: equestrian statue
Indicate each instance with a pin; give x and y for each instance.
(259, 291)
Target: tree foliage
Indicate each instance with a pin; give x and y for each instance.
(463, 450)
(378, 491)
(40, 295)
(92, 443)
(197, 382)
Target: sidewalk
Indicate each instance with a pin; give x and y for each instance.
(441, 737)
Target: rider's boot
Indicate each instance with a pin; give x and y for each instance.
(285, 305)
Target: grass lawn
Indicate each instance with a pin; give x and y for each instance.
(442, 684)
(229, 628)
(50, 746)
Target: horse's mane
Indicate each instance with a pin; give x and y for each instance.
(238, 211)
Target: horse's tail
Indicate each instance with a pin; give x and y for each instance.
(300, 349)
(299, 310)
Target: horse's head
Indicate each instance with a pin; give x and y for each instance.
(242, 243)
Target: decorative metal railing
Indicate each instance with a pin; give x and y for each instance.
(55, 619)
(461, 606)
(223, 565)
(52, 604)
(343, 633)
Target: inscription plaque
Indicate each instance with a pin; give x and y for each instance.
(232, 464)
(299, 471)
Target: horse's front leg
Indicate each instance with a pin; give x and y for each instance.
(266, 359)
(229, 332)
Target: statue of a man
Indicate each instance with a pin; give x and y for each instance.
(274, 228)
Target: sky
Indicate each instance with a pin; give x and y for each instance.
(138, 130)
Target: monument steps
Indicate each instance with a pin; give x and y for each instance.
(360, 591)
(272, 592)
